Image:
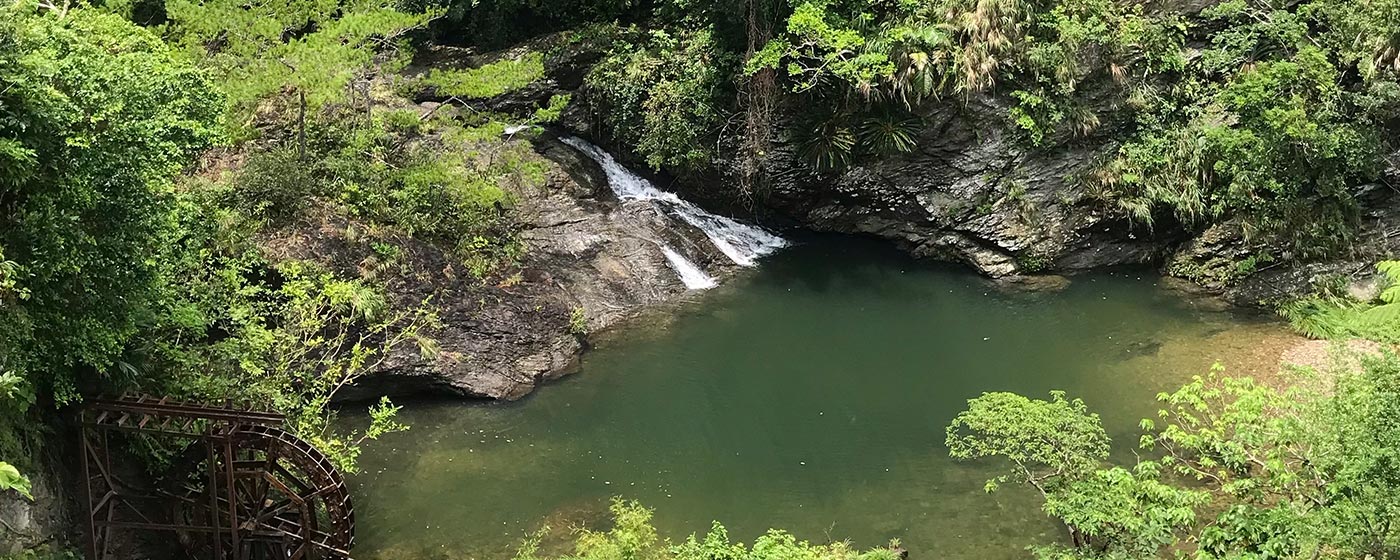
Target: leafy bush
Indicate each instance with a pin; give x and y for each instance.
(275, 185)
(633, 537)
(1243, 469)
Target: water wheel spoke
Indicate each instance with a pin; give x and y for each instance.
(274, 512)
(263, 483)
(302, 487)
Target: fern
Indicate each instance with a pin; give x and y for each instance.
(1336, 318)
(1391, 270)
(1315, 317)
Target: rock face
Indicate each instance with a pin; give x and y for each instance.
(51, 517)
(1378, 239)
(590, 262)
(973, 193)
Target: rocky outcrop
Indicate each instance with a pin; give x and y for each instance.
(1268, 283)
(973, 192)
(590, 262)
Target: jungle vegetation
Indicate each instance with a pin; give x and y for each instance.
(147, 149)
(146, 145)
(1270, 112)
(1230, 468)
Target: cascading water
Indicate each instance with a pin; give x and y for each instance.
(742, 243)
(691, 275)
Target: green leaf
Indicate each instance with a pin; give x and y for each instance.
(11, 479)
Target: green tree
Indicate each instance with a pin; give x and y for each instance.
(1050, 443)
(96, 116)
(1284, 473)
(663, 95)
(1060, 448)
(311, 49)
(1121, 513)
(284, 336)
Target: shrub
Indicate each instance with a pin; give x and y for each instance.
(490, 80)
(633, 537)
(275, 185)
(663, 96)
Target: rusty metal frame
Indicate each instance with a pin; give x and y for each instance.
(112, 504)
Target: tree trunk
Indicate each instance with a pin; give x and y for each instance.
(301, 125)
(758, 94)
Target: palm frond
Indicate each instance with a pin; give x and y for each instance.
(889, 133)
(827, 143)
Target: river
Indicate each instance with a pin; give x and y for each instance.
(808, 394)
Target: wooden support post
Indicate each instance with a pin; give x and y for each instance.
(87, 496)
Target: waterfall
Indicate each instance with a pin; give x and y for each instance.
(742, 243)
(691, 275)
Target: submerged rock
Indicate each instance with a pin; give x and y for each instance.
(1034, 283)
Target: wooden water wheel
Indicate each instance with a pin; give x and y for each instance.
(289, 502)
(245, 488)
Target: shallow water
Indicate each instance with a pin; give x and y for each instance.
(810, 394)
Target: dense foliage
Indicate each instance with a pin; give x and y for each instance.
(632, 537)
(1266, 112)
(146, 171)
(313, 49)
(1242, 469)
(1275, 123)
(132, 256)
(662, 93)
(96, 116)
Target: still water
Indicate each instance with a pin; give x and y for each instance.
(810, 394)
